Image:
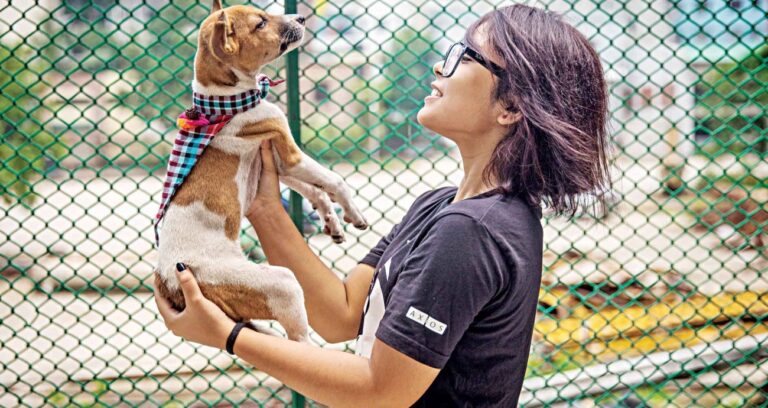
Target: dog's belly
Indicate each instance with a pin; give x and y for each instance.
(195, 236)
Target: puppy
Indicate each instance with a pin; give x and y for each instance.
(201, 222)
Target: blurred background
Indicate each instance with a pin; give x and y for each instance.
(663, 302)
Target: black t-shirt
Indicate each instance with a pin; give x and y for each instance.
(456, 288)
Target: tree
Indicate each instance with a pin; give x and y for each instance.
(26, 148)
(733, 97)
(407, 77)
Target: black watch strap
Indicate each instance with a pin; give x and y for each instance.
(232, 336)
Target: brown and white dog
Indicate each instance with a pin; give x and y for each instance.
(202, 222)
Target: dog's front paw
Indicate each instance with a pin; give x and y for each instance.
(332, 228)
(358, 222)
(330, 220)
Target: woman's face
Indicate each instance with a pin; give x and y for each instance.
(460, 106)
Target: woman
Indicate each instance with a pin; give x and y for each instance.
(444, 305)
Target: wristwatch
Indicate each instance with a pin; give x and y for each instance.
(233, 336)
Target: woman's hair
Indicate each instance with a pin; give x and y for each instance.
(556, 152)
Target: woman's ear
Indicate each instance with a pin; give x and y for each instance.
(507, 118)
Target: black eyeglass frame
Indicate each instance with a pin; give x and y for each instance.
(465, 49)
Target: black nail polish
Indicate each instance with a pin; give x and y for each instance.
(180, 267)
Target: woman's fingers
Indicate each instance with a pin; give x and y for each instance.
(163, 305)
(269, 186)
(188, 285)
(266, 156)
(268, 191)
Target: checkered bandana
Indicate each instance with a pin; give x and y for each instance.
(197, 127)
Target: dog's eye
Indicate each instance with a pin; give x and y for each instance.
(261, 25)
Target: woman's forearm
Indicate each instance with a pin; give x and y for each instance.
(331, 377)
(324, 293)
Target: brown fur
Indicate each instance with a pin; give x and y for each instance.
(282, 140)
(212, 181)
(231, 45)
(239, 303)
(229, 38)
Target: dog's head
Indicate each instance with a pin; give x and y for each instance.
(241, 39)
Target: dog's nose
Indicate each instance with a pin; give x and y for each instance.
(301, 19)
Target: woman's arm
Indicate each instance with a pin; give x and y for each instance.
(337, 378)
(333, 306)
(333, 377)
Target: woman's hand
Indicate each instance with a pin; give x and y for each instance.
(268, 197)
(201, 321)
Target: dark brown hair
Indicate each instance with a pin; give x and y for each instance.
(556, 152)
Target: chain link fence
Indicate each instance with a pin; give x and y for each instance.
(661, 303)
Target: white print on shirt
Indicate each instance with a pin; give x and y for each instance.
(373, 315)
(426, 320)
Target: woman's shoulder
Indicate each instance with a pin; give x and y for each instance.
(492, 209)
(437, 194)
(431, 197)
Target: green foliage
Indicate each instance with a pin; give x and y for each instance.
(159, 53)
(734, 97)
(89, 397)
(407, 78)
(26, 148)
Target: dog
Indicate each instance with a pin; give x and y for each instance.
(201, 223)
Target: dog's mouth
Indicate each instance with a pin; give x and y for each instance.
(290, 37)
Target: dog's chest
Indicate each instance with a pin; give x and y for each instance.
(224, 179)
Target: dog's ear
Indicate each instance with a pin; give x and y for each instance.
(222, 41)
(216, 6)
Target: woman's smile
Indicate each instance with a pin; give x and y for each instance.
(436, 94)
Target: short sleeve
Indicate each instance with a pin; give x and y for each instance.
(376, 252)
(445, 282)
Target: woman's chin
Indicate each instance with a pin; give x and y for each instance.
(426, 117)
(431, 120)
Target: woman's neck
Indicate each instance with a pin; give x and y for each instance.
(474, 159)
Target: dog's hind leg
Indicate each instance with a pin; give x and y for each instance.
(246, 291)
(320, 202)
(311, 172)
(286, 302)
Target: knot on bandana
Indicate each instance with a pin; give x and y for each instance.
(197, 127)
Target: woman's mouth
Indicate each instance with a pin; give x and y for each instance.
(436, 93)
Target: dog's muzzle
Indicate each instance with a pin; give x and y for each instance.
(290, 36)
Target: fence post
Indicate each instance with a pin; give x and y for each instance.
(294, 120)
(294, 115)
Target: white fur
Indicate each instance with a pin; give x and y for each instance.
(311, 172)
(321, 203)
(196, 236)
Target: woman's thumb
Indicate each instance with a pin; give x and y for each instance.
(188, 283)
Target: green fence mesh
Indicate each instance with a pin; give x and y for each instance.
(661, 303)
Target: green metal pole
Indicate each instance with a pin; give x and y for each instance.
(294, 120)
(294, 117)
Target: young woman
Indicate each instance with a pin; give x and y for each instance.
(444, 305)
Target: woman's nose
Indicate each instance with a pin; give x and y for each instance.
(438, 68)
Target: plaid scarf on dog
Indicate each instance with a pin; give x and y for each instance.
(197, 127)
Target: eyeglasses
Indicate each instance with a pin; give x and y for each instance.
(456, 53)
